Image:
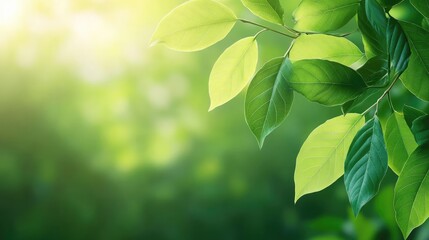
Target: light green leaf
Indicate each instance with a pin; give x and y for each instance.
(406, 12)
(320, 161)
(320, 46)
(412, 191)
(233, 71)
(416, 77)
(326, 82)
(400, 142)
(269, 10)
(324, 15)
(374, 42)
(420, 129)
(411, 114)
(268, 98)
(399, 50)
(194, 25)
(366, 165)
(376, 16)
(422, 6)
(375, 72)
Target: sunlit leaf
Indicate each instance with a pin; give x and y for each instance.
(326, 82)
(420, 129)
(400, 142)
(233, 71)
(399, 50)
(366, 165)
(320, 161)
(374, 43)
(416, 77)
(194, 25)
(268, 98)
(412, 191)
(324, 15)
(320, 46)
(422, 6)
(269, 10)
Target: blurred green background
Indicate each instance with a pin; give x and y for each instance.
(102, 137)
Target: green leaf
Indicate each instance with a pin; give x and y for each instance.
(406, 12)
(399, 50)
(325, 82)
(320, 46)
(412, 191)
(400, 142)
(375, 72)
(388, 3)
(376, 16)
(420, 129)
(269, 10)
(363, 102)
(233, 71)
(324, 15)
(194, 25)
(268, 98)
(320, 161)
(416, 77)
(422, 6)
(366, 165)
(374, 43)
(411, 114)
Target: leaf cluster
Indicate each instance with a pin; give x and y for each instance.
(327, 68)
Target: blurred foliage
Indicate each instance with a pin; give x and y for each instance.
(103, 138)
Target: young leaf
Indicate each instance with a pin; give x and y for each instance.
(320, 46)
(325, 82)
(194, 25)
(420, 129)
(400, 142)
(422, 6)
(268, 98)
(324, 15)
(366, 165)
(374, 72)
(376, 16)
(412, 191)
(411, 114)
(374, 43)
(232, 71)
(320, 161)
(269, 10)
(416, 77)
(399, 50)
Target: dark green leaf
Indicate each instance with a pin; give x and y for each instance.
(268, 98)
(420, 129)
(374, 43)
(399, 50)
(411, 114)
(422, 6)
(376, 16)
(388, 3)
(374, 72)
(363, 102)
(366, 164)
(412, 191)
(416, 77)
(326, 82)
